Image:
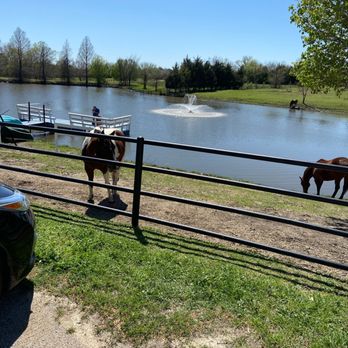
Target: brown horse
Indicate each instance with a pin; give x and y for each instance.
(104, 149)
(321, 175)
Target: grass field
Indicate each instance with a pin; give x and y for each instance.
(281, 97)
(166, 287)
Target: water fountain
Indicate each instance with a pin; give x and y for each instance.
(189, 109)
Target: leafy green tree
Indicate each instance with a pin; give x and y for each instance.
(209, 76)
(160, 74)
(42, 59)
(99, 69)
(226, 77)
(277, 74)
(324, 28)
(147, 71)
(125, 70)
(186, 69)
(198, 74)
(251, 71)
(174, 79)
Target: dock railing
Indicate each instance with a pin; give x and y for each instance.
(87, 122)
(35, 113)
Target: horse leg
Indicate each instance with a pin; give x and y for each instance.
(90, 174)
(319, 183)
(337, 187)
(107, 181)
(115, 178)
(345, 187)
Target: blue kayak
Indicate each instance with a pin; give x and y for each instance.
(13, 134)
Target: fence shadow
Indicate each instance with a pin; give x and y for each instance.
(252, 260)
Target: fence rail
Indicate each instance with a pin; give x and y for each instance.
(137, 191)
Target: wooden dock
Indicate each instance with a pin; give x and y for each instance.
(33, 114)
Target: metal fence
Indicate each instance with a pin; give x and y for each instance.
(137, 191)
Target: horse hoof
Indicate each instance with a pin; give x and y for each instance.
(90, 201)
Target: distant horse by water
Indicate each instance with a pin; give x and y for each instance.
(104, 149)
(321, 175)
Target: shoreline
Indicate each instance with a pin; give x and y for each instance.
(264, 96)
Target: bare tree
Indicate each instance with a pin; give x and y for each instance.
(85, 56)
(65, 62)
(19, 45)
(2, 61)
(42, 58)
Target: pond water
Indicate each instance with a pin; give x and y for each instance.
(263, 130)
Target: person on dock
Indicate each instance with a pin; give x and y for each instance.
(95, 112)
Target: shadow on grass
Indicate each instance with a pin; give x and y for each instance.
(254, 261)
(15, 310)
(106, 214)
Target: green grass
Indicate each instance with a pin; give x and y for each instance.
(152, 285)
(281, 97)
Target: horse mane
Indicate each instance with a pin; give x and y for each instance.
(308, 173)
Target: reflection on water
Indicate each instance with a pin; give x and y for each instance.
(246, 128)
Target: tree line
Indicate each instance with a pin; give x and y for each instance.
(217, 74)
(22, 61)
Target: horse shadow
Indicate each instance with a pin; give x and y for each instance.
(102, 214)
(15, 310)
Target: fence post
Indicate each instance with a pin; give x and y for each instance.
(29, 111)
(44, 113)
(137, 181)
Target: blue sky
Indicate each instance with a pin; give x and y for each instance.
(158, 31)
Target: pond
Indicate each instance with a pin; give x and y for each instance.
(263, 130)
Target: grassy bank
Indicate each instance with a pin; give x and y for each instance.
(281, 97)
(164, 287)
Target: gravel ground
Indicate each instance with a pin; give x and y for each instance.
(34, 319)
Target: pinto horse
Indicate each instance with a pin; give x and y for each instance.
(321, 175)
(104, 149)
